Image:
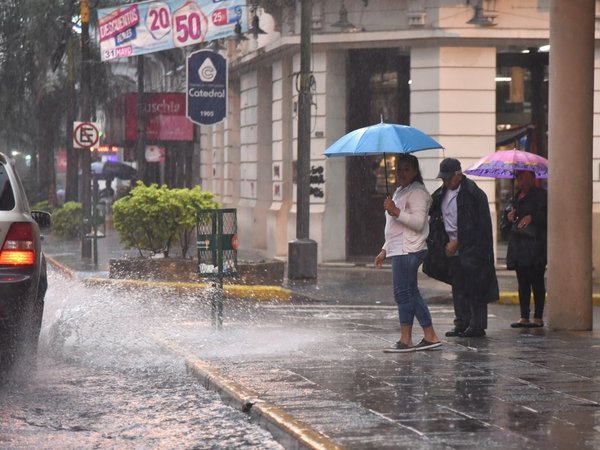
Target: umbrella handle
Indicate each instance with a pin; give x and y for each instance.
(387, 192)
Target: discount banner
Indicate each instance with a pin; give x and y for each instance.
(146, 27)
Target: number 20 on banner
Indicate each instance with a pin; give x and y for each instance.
(188, 23)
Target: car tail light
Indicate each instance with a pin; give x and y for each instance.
(18, 248)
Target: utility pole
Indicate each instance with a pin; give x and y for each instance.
(141, 123)
(86, 114)
(302, 253)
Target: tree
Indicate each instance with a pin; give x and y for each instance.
(40, 60)
(30, 94)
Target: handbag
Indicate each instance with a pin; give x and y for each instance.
(530, 231)
(436, 264)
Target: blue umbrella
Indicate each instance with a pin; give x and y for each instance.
(381, 139)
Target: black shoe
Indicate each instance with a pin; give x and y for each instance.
(426, 345)
(454, 332)
(473, 332)
(399, 347)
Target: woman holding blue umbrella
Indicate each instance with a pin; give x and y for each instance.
(406, 230)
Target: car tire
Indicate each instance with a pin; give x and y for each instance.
(8, 350)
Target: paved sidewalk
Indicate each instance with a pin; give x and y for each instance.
(313, 372)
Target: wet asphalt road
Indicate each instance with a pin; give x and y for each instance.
(102, 382)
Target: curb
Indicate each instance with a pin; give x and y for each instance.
(288, 431)
(252, 292)
(66, 271)
(512, 298)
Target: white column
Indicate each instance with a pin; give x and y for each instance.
(264, 158)
(231, 142)
(333, 245)
(453, 98)
(281, 164)
(248, 157)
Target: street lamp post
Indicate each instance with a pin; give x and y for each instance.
(302, 252)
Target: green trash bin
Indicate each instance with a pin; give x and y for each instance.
(217, 242)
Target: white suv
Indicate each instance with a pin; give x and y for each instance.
(23, 280)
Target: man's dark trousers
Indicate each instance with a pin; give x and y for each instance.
(469, 312)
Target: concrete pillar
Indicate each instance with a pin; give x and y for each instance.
(453, 98)
(281, 153)
(570, 154)
(232, 152)
(264, 157)
(334, 229)
(248, 158)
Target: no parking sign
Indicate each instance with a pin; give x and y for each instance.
(85, 134)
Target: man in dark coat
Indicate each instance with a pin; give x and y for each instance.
(467, 242)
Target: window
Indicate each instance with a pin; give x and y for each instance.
(7, 198)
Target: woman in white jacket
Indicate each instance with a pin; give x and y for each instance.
(406, 229)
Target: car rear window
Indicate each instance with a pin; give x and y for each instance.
(7, 197)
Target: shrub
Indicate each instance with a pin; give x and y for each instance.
(153, 219)
(191, 200)
(66, 221)
(44, 206)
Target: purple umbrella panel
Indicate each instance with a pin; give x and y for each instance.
(505, 164)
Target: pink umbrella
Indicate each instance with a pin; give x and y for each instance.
(505, 164)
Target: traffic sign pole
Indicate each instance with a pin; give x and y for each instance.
(86, 113)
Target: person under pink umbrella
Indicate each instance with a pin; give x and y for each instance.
(526, 220)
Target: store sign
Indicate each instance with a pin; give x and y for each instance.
(165, 117)
(206, 99)
(152, 26)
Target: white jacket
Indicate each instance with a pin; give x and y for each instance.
(407, 232)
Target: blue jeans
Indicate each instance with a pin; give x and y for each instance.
(406, 290)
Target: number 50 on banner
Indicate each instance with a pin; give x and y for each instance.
(152, 26)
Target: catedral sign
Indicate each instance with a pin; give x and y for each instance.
(152, 26)
(206, 87)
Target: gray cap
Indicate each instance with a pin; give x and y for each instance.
(449, 167)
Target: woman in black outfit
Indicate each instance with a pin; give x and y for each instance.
(527, 222)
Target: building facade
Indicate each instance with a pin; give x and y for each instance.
(472, 74)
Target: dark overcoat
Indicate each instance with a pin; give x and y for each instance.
(475, 242)
(526, 250)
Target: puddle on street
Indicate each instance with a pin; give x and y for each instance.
(103, 381)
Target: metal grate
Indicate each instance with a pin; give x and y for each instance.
(217, 242)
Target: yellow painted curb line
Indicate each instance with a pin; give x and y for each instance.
(512, 298)
(252, 292)
(67, 271)
(282, 425)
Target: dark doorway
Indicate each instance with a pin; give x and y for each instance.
(378, 88)
(521, 112)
